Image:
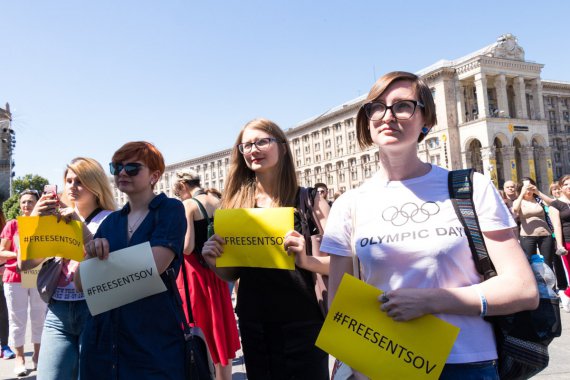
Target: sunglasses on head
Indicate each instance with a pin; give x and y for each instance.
(131, 168)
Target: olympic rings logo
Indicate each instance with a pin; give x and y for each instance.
(410, 211)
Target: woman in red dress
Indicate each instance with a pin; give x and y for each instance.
(209, 295)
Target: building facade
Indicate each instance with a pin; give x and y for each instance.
(7, 145)
(495, 114)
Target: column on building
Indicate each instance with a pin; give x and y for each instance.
(527, 153)
(482, 96)
(459, 91)
(489, 164)
(537, 98)
(502, 100)
(508, 153)
(542, 168)
(520, 98)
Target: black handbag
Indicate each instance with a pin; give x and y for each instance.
(523, 337)
(198, 363)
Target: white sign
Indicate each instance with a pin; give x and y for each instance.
(128, 275)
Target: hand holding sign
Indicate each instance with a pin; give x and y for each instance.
(43, 236)
(373, 343)
(252, 238)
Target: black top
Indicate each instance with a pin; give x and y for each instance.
(277, 295)
(200, 234)
(564, 209)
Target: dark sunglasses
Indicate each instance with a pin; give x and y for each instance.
(131, 168)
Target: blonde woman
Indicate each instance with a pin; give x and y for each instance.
(88, 193)
(279, 316)
(19, 299)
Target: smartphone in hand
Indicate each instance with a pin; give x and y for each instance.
(51, 189)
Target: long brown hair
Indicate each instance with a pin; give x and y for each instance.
(239, 192)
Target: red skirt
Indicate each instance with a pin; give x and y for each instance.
(212, 309)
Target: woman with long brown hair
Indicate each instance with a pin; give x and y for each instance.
(279, 316)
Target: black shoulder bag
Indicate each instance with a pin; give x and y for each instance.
(198, 364)
(313, 243)
(523, 337)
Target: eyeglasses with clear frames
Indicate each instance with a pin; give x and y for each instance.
(261, 144)
(402, 109)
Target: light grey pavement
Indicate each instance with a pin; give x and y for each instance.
(559, 368)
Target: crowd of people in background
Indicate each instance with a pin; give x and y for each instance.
(543, 225)
(279, 314)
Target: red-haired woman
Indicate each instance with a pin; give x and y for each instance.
(143, 339)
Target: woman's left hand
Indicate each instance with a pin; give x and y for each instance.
(295, 243)
(405, 304)
(67, 215)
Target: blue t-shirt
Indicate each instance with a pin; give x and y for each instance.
(143, 339)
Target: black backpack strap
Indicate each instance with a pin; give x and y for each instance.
(460, 185)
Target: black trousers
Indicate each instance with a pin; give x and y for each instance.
(283, 351)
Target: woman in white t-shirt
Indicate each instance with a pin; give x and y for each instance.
(409, 240)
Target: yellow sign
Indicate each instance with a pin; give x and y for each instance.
(254, 237)
(514, 176)
(358, 333)
(30, 277)
(511, 128)
(531, 169)
(444, 138)
(549, 172)
(43, 236)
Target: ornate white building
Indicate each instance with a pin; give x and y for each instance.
(494, 113)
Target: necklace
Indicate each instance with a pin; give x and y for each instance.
(134, 226)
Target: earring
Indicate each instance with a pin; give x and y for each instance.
(425, 130)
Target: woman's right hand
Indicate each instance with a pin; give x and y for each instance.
(97, 248)
(212, 249)
(46, 205)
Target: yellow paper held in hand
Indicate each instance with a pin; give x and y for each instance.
(43, 236)
(357, 332)
(254, 237)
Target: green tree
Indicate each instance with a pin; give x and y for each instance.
(11, 206)
(29, 181)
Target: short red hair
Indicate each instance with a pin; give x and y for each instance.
(143, 151)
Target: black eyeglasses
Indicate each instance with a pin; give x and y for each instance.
(131, 168)
(402, 110)
(261, 144)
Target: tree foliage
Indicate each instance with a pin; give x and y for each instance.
(11, 206)
(29, 181)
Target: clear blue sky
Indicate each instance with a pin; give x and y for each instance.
(82, 78)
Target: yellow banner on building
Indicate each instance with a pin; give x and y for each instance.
(549, 172)
(514, 176)
(254, 237)
(43, 236)
(531, 169)
(358, 333)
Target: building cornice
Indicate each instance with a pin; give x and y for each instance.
(324, 118)
(555, 85)
(199, 160)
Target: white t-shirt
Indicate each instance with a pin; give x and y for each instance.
(65, 290)
(407, 235)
